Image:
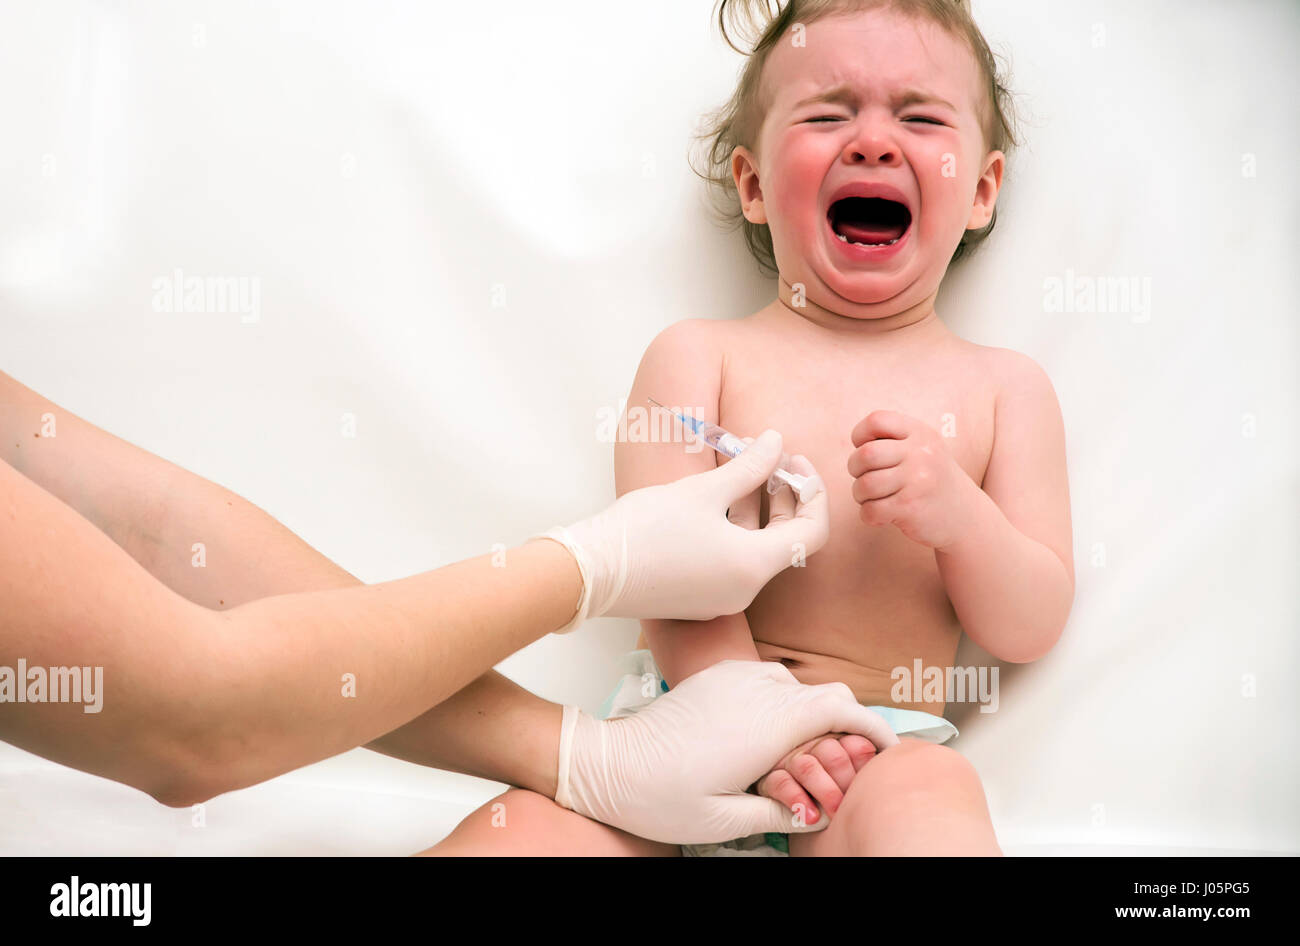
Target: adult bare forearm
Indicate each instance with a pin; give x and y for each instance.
(493, 728)
(201, 540)
(475, 731)
(157, 511)
(1012, 594)
(302, 677)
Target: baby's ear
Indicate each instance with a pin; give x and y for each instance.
(986, 191)
(744, 170)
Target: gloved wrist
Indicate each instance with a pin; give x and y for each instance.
(582, 608)
(599, 547)
(584, 753)
(604, 774)
(569, 723)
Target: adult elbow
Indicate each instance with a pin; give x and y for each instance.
(179, 788)
(179, 793)
(185, 776)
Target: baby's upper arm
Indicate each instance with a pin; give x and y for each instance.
(682, 369)
(1026, 474)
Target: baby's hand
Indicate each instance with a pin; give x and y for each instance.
(903, 473)
(823, 768)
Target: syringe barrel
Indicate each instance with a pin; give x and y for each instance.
(805, 487)
(727, 444)
(732, 446)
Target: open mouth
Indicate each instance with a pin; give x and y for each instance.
(869, 221)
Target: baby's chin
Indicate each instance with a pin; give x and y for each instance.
(855, 292)
(883, 294)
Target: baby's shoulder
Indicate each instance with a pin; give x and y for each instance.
(691, 342)
(689, 332)
(1014, 374)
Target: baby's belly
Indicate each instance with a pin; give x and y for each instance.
(871, 685)
(840, 619)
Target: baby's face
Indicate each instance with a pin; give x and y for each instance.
(884, 111)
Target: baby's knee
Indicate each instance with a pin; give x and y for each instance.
(916, 797)
(508, 824)
(910, 769)
(922, 763)
(520, 809)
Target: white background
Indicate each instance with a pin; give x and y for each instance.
(384, 169)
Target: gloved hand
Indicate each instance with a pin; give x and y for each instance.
(669, 551)
(678, 770)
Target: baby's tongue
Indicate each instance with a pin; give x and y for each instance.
(870, 232)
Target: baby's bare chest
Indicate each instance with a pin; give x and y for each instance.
(816, 398)
(871, 597)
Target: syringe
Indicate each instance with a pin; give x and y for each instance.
(729, 445)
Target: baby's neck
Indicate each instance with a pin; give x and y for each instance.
(916, 320)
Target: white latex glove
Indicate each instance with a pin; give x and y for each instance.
(669, 551)
(678, 770)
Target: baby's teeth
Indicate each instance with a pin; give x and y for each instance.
(844, 239)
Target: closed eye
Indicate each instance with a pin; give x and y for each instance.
(826, 118)
(922, 118)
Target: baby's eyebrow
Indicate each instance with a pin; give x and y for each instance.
(840, 95)
(919, 97)
(846, 95)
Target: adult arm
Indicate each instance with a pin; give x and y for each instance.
(209, 701)
(156, 511)
(196, 702)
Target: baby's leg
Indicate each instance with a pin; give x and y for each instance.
(914, 798)
(525, 824)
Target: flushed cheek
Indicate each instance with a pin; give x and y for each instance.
(947, 187)
(792, 200)
(946, 202)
